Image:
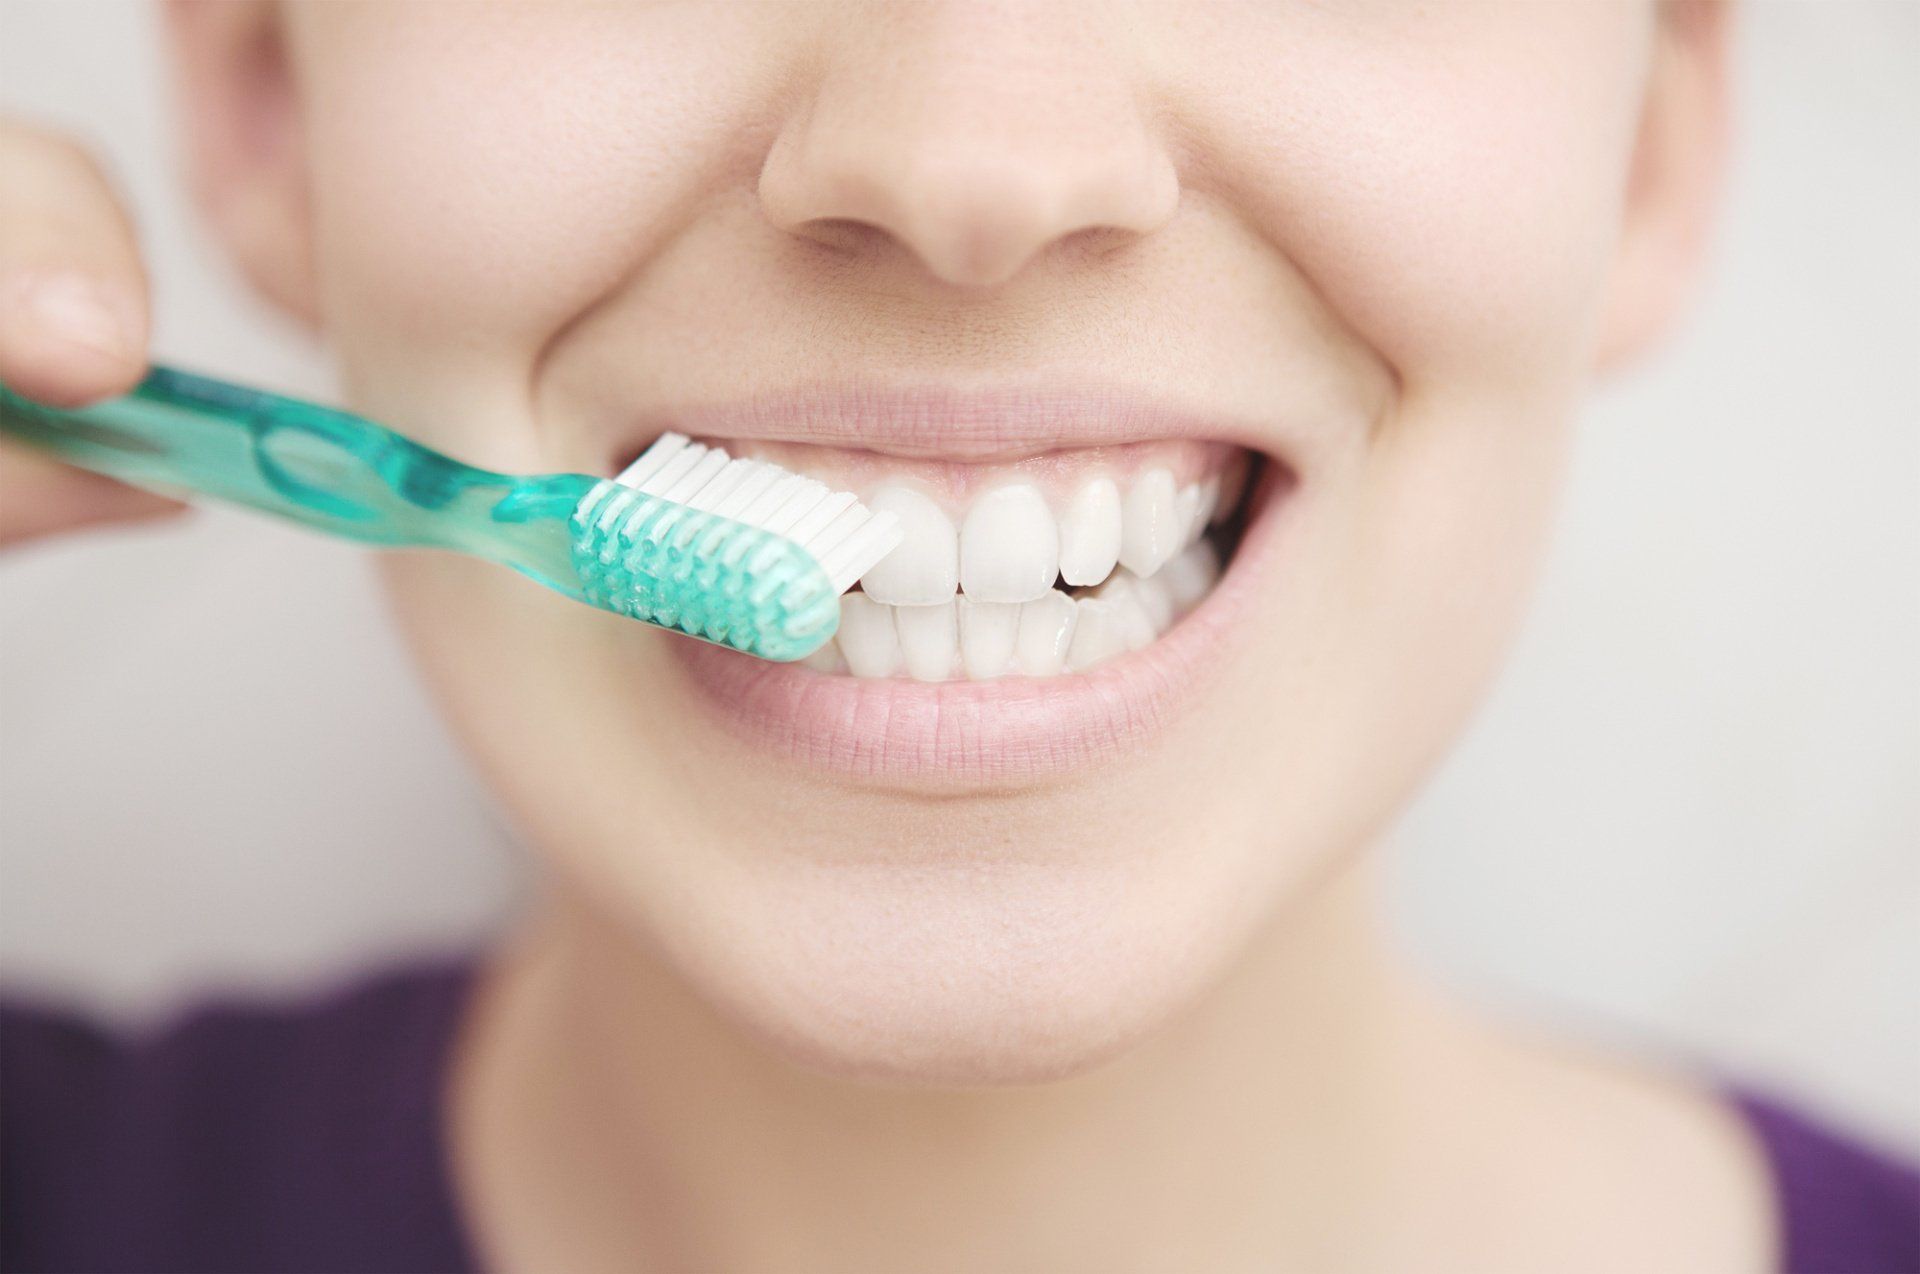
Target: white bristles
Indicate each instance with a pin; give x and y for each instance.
(752, 487)
(723, 485)
(862, 551)
(664, 448)
(808, 494)
(845, 523)
(771, 500)
(691, 482)
(672, 471)
(815, 520)
(845, 537)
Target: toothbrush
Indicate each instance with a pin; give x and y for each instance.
(737, 552)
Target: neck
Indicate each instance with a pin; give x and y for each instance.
(608, 1119)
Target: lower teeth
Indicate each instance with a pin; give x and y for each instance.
(1061, 632)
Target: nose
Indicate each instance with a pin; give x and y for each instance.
(973, 136)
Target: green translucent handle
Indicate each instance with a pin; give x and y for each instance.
(589, 538)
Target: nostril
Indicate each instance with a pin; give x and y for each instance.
(1096, 243)
(845, 236)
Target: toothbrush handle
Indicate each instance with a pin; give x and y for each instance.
(614, 547)
(183, 434)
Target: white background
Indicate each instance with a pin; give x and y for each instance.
(1688, 818)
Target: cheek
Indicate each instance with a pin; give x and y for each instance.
(1449, 181)
(483, 175)
(1447, 176)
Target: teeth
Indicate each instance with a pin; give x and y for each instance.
(1190, 517)
(925, 568)
(1097, 635)
(826, 659)
(987, 634)
(1009, 546)
(928, 640)
(1157, 601)
(1046, 632)
(980, 602)
(1189, 577)
(867, 638)
(1122, 594)
(1148, 596)
(1052, 634)
(1090, 533)
(1150, 527)
(1209, 503)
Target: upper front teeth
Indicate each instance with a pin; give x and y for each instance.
(1150, 525)
(1090, 531)
(1011, 545)
(925, 569)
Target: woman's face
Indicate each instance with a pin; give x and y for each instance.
(989, 258)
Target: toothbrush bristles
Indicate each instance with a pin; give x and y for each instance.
(845, 537)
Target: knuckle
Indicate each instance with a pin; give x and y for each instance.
(56, 200)
(23, 143)
(34, 158)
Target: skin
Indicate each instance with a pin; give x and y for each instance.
(1082, 1022)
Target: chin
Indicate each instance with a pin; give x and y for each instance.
(951, 982)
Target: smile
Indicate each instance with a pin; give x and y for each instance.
(1049, 604)
(1029, 573)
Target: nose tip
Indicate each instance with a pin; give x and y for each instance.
(972, 183)
(971, 221)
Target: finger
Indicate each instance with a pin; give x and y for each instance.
(73, 295)
(39, 495)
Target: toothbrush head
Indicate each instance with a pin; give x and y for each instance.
(737, 552)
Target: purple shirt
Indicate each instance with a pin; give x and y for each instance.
(309, 1138)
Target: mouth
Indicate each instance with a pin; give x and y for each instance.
(1070, 572)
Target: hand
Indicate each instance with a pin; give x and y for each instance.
(73, 324)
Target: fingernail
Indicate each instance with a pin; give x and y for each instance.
(81, 310)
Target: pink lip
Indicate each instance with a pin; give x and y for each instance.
(946, 423)
(974, 734)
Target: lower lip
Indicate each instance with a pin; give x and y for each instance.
(989, 733)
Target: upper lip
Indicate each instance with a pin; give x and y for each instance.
(945, 422)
